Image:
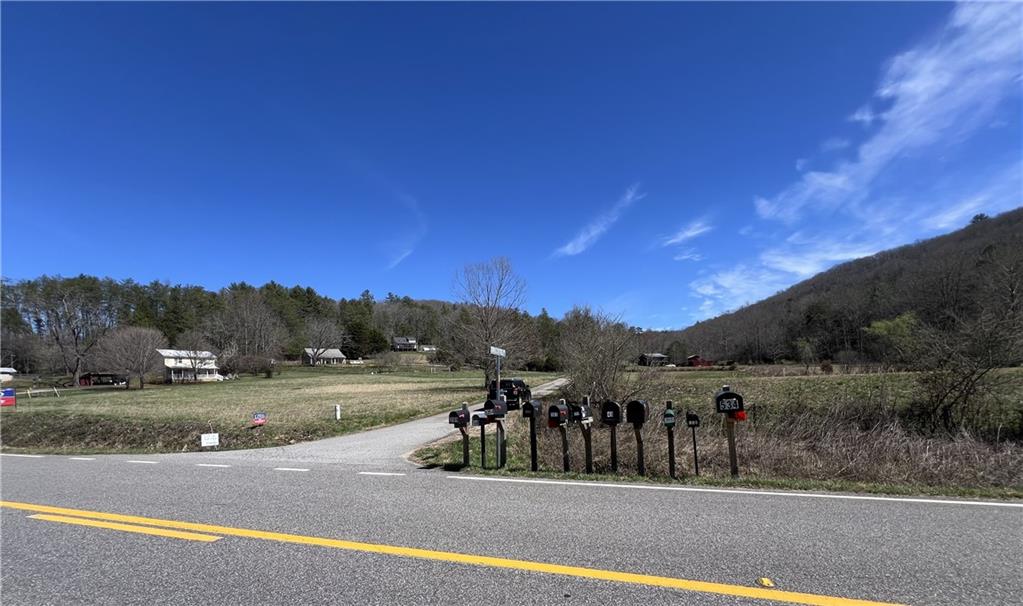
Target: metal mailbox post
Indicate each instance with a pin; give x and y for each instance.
(693, 421)
(496, 411)
(730, 404)
(480, 419)
(583, 415)
(460, 419)
(531, 410)
(669, 424)
(636, 412)
(611, 415)
(557, 416)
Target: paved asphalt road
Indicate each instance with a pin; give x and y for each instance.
(303, 529)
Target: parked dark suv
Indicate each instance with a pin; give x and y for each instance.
(515, 390)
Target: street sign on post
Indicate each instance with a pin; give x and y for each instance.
(498, 353)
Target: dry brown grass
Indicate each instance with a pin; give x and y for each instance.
(828, 428)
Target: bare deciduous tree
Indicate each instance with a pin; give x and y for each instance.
(131, 350)
(491, 293)
(195, 345)
(75, 313)
(246, 333)
(323, 334)
(594, 348)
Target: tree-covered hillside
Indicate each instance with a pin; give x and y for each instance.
(944, 282)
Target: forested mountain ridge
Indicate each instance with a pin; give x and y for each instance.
(941, 281)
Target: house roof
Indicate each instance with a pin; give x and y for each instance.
(655, 355)
(185, 353)
(403, 340)
(327, 353)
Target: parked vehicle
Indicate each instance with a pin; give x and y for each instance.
(515, 390)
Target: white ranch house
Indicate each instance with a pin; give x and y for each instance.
(327, 357)
(181, 365)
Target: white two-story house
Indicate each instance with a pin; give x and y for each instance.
(184, 366)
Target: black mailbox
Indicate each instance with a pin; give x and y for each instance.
(692, 420)
(557, 415)
(531, 408)
(580, 413)
(496, 409)
(479, 418)
(459, 418)
(727, 400)
(636, 412)
(611, 413)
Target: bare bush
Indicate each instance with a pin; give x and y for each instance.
(595, 348)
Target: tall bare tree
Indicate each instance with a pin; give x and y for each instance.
(74, 313)
(492, 294)
(246, 334)
(196, 348)
(131, 350)
(323, 334)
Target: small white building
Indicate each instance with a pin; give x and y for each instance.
(182, 365)
(7, 374)
(327, 357)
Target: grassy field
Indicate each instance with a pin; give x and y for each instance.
(839, 432)
(299, 404)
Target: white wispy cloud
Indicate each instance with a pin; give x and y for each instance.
(688, 232)
(589, 235)
(864, 116)
(729, 289)
(414, 228)
(806, 258)
(801, 164)
(688, 254)
(1003, 191)
(936, 94)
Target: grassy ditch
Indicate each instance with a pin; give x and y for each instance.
(809, 433)
(169, 418)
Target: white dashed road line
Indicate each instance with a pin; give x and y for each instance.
(143, 462)
(11, 454)
(82, 458)
(210, 465)
(805, 495)
(289, 469)
(379, 473)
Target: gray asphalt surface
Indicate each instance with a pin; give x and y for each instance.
(886, 550)
(384, 448)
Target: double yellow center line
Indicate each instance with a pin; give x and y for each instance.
(209, 533)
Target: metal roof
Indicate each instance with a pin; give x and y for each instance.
(327, 353)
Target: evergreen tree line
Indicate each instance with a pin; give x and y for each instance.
(57, 325)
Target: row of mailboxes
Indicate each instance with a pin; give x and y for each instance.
(637, 412)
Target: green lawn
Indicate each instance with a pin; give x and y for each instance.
(299, 404)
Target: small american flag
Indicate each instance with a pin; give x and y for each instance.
(8, 397)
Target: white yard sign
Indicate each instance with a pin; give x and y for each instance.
(497, 351)
(209, 439)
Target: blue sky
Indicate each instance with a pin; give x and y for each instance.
(665, 162)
